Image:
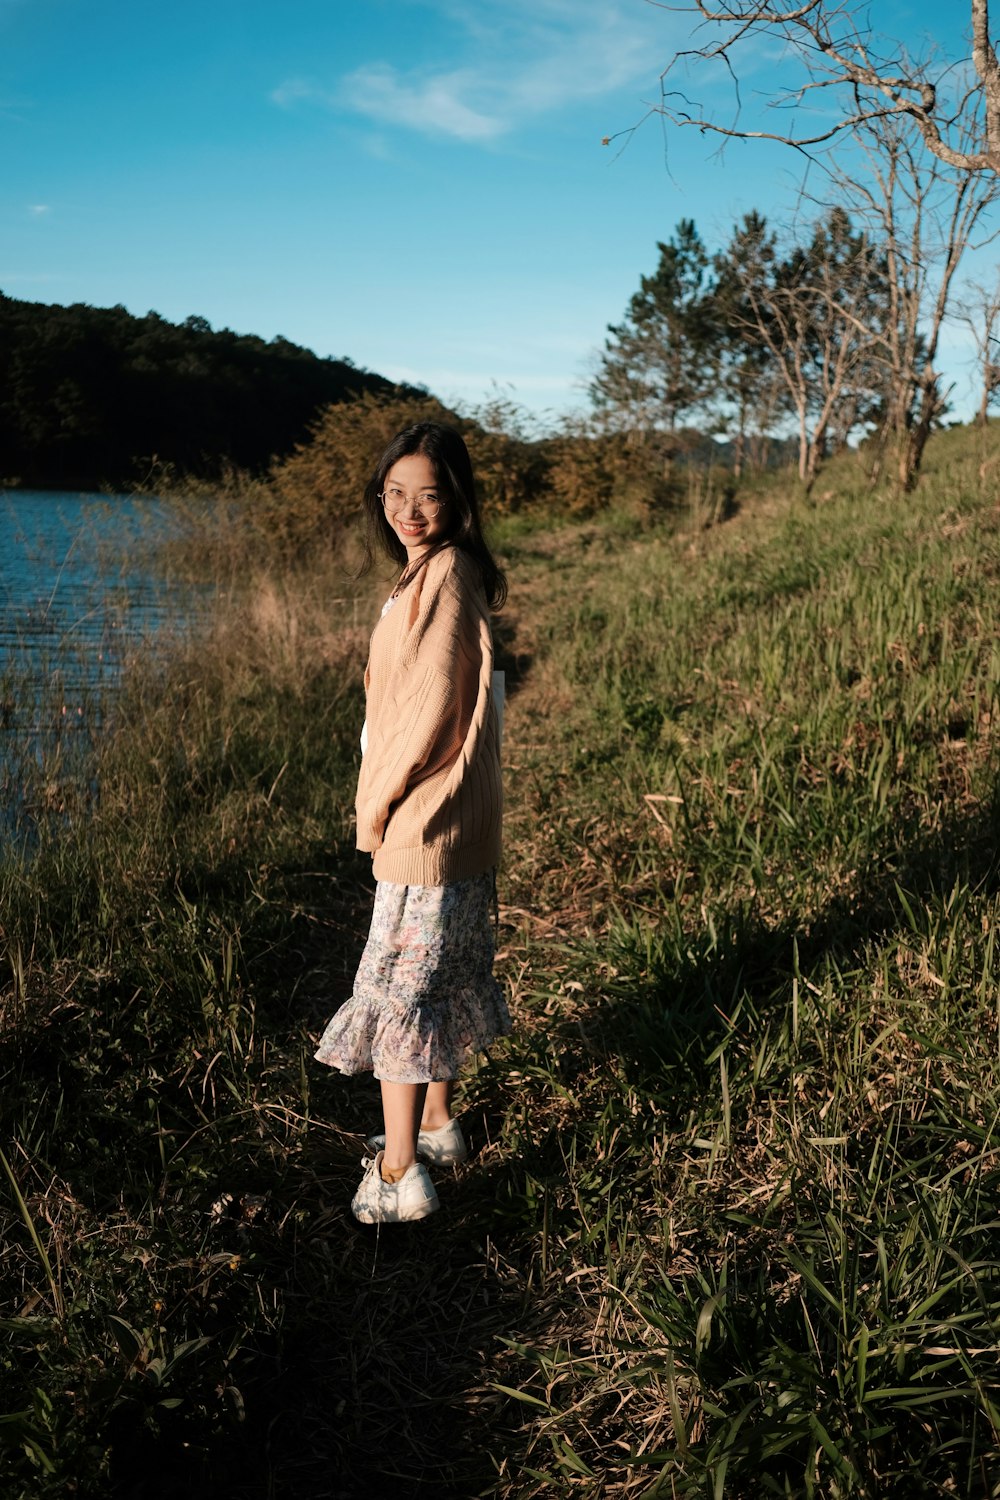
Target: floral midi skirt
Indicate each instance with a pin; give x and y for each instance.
(425, 999)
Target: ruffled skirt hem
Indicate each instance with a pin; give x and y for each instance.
(361, 1039)
(425, 999)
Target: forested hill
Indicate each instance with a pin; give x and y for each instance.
(90, 396)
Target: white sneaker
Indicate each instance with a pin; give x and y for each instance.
(377, 1202)
(444, 1147)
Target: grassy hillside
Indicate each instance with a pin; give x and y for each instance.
(730, 1226)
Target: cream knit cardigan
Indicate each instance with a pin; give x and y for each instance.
(430, 800)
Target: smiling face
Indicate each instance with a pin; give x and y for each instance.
(410, 491)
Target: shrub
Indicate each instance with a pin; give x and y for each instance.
(325, 477)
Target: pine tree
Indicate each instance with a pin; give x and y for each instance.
(751, 393)
(657, 363)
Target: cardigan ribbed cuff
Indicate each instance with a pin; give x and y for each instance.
(426, 865)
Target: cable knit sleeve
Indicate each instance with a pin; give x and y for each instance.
(422, 687)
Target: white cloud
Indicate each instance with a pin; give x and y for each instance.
(297, 91)
(542, 55)
(595, 55)
(39, 209)
(434, 105)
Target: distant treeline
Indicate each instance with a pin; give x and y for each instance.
(94, 396)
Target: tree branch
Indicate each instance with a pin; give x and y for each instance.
(846, 59)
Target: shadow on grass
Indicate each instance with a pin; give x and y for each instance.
(385, 1340)
(687, 990)
(360, 1371)
(374, 1380)
(509, 657)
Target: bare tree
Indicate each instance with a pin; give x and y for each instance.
(815, 312)
(837, 50)
(980, 312)
(923, 165)
(924, 212)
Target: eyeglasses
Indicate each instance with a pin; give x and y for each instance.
(393, 498)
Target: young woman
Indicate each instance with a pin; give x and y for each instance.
(429, 806)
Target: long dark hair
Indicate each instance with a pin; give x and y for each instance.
(453, 470)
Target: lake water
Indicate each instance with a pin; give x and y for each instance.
(79, 589)
(76, 582)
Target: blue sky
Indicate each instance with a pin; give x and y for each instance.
(418, 184)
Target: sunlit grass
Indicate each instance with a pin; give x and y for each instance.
(769, 795)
